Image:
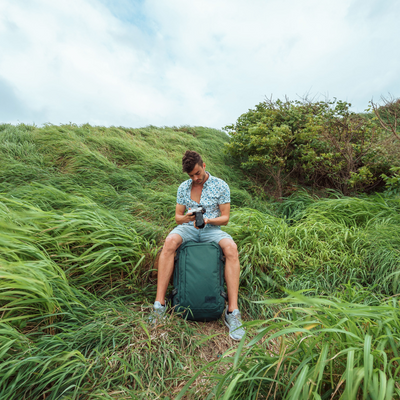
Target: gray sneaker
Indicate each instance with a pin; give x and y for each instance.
(158, 313)
(234, 322)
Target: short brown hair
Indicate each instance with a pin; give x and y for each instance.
(189, 161)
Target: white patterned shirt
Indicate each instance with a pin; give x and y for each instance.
(215, 192)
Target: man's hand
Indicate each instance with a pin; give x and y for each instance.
(181, 217)
(190, 217)
(205, 223)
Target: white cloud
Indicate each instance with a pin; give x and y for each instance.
(198, 62)
(69, 64)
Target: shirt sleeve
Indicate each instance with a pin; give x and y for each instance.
(180, 197)
(225, 196)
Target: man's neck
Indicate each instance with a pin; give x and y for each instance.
(201, 184)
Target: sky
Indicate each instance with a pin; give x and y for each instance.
(135, 63)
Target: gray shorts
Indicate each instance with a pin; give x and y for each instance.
(208, 234)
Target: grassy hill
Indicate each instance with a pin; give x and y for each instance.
(83, 212)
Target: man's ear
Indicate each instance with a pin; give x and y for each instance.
(204, 165)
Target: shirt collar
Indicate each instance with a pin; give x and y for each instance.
(209, 177)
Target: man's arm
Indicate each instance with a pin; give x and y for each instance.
(223, 219)
(181, 217)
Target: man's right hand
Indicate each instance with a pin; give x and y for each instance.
(189, 216)
(181, 217)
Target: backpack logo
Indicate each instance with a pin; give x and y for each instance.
(210, 299)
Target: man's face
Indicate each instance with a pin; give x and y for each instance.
(198, 175)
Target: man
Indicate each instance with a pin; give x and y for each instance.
(214, 194)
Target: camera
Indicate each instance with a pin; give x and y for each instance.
(198, 212)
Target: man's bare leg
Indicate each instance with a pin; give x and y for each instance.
(166, 265)
(232, 271)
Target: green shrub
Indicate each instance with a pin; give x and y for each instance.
(322, 144)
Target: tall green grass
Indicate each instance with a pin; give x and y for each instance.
(324, 244)
(316, 348)
(90, 246)
(83, 212)
(104, 349)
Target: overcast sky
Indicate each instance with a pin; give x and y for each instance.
(189, 62)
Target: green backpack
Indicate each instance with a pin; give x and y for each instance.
(199, 281)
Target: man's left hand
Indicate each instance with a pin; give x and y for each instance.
(205, 223)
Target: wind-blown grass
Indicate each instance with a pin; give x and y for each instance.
(104, 350)
(90, 245)
(83, 212)
(327, 243)
(325, 349)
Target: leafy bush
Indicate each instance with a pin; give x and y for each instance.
(388, 115)
(392, 182)
(322, 144)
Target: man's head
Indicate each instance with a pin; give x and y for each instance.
(190, 160)
(194, 166)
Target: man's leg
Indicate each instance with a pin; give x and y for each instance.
(232, 317)
(166, 265)
(232, 271)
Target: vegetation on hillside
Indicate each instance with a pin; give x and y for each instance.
(83, 212)
(322, 144)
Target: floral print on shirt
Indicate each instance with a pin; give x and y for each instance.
(215, 192)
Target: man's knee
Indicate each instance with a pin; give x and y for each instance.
(172, 242)
(229, 248)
